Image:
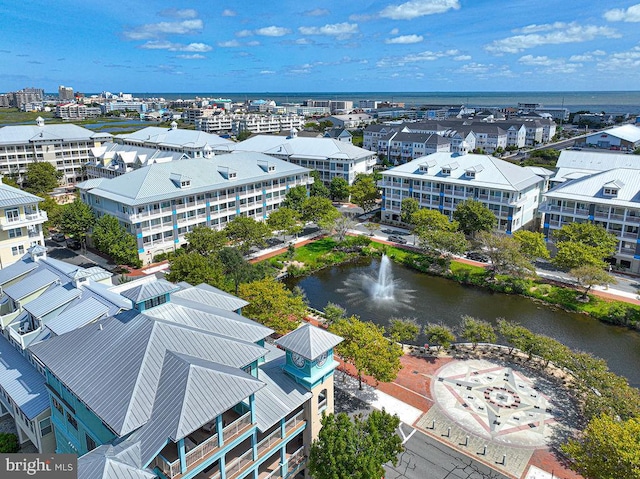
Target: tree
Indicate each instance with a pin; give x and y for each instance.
(76, 220)
(505, 254)
(339, 189)
(236, 268)
(110, 237)
(608, 448)
(285, 220)
(516, 336)
(206, 241)
(295, 198)
(371, 227)
(477, 331)
(9, 443)
(10, 181)
(41, 177)
(195, 269)
(429, 220)
(403, 330)
(589, 276)
(243, 135)
(245, 233)
(334, 312)
(407, 208)
(580, 244)
(320, 211)
(366, 348)
(341, 226)
(444, 243)
(439, 334)
(318, 188)
(272, 304)
(532, 244)
(355, 449)
(473, 217)
(54, 212)
(364, 192)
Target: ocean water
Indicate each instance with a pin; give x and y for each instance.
(594, 101)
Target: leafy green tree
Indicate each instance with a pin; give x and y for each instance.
(10, 181)
(339, 189)
(318, 188)
(516, 336)
(366, 348)
(579, 244)
(334, 312)
(589, 276)
(286, 220)
(426, 221)
(54, 212)
(9, 443)
(341, 226)
(243, 135)
(571, 254)
(355, 449)
(41, 177)
(295, 198)
(365, 192)
(532, 244)
(195, 269)
(371, 227)
(444, 243)
(110, 237)
(403, 330)
(505, 254)
(608, 448)
(76, 220)
(320, 211)
(245, 233)
(272, 304)
(238, 269)
(477, 331)
(474, 217)
(407, 208)
(439, 334)
(206, 241)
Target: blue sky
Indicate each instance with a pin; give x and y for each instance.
(298, 46)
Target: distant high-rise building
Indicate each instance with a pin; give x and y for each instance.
(26, 95)
(65, 93)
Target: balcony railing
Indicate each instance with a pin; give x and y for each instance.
(268, 442)
(235, 467)
(295, 460)
(201, 450)
(168, 469)
(22, 220)
(294, 422)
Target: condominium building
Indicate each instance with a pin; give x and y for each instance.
(184, 386)
(266, 123)
(159, 204)
(196, 144)
(64, 146)
(65, 93)
(600, 188)
(333, 105)
(327, 156)
(442, 180)
(403, 147)
(21, 223)
(123, 105)
(351, 120)
(625, 138)
(76, 111)
(113, 159)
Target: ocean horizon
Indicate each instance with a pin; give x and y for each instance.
(594, 101)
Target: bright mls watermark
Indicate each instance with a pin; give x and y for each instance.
(49, 466)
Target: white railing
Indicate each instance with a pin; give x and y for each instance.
(26, 218)
(294, 422)
(235, 427)
(295, 460)
(201, 450)
(169, 469)
(269, 441)
(236, 466)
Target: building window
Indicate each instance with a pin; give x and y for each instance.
(57, 405)
(12, 215)
(91, 444)
(15, 232)
(158, 300)
(322, 400)
(72, 421)
(611, 192)
(45, 427)
(17, 250)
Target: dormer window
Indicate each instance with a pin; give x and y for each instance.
(157, 301)
(610, 192)
(185, 183)
(471, 174)
(424, 168)
(232, 174)
(446, 171)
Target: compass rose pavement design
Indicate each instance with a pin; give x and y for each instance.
(495, 402)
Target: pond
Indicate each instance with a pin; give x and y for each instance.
(431, 299)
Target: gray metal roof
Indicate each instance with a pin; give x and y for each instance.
(111, 297)
(22, 382)
(50, 300)
(79, 314)
(113, 462)
(207, 294)
(10, 196)
(302, 147)
(309, 341)
(20, 134)
(30, 285)
(16, 270)
(174, 137)
(149, 290)
(127, 352)
(282, 394)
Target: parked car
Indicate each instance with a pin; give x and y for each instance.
(58, 237)
(476, 256)
(397, 239)
(73, 243)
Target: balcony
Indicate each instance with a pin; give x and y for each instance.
(23, 220)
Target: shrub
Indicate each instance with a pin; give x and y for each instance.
(9, 443)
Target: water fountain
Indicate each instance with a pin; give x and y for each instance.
(383, 287)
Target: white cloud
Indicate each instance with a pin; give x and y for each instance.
(155, 30)
(395, 31)
(317, 12)
(267, 72)
(462, 58)
(339, 30)
(550, 65)
(581, 58)
(176, 47)
(631, 14)
(194, 56)
(418, 8)
(426, 56)
(228, 13)
(272, 31)
(404, 40)
(304, 41)
(599, 52)
(175, 13)
(253, 43)
(621, 61)
(244, 33)
(229, 44)
(557, 33)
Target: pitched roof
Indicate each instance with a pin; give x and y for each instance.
(207, 294)
(10, 196)
(303, 147)
(79, 314)
(590, 188)
(113, 462)
(149, 290)
(35, 282)
(629, 133)
(18, 134)
(309, 341)
(174, 137)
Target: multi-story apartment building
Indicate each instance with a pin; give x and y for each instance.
(196, 144)
(64, 146)
(220, 122)
(42, 298)
(350, 120)
(267, 123)
(65, 93)
(191, 115)
(183, 386)
(26, 95)
(159, 204)
(403, 147)
(76, 111)
(123, 105)
(112, 159)
(327, 156)
(600, 188)
(442, 180)
(334, 106)
(21, 223)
